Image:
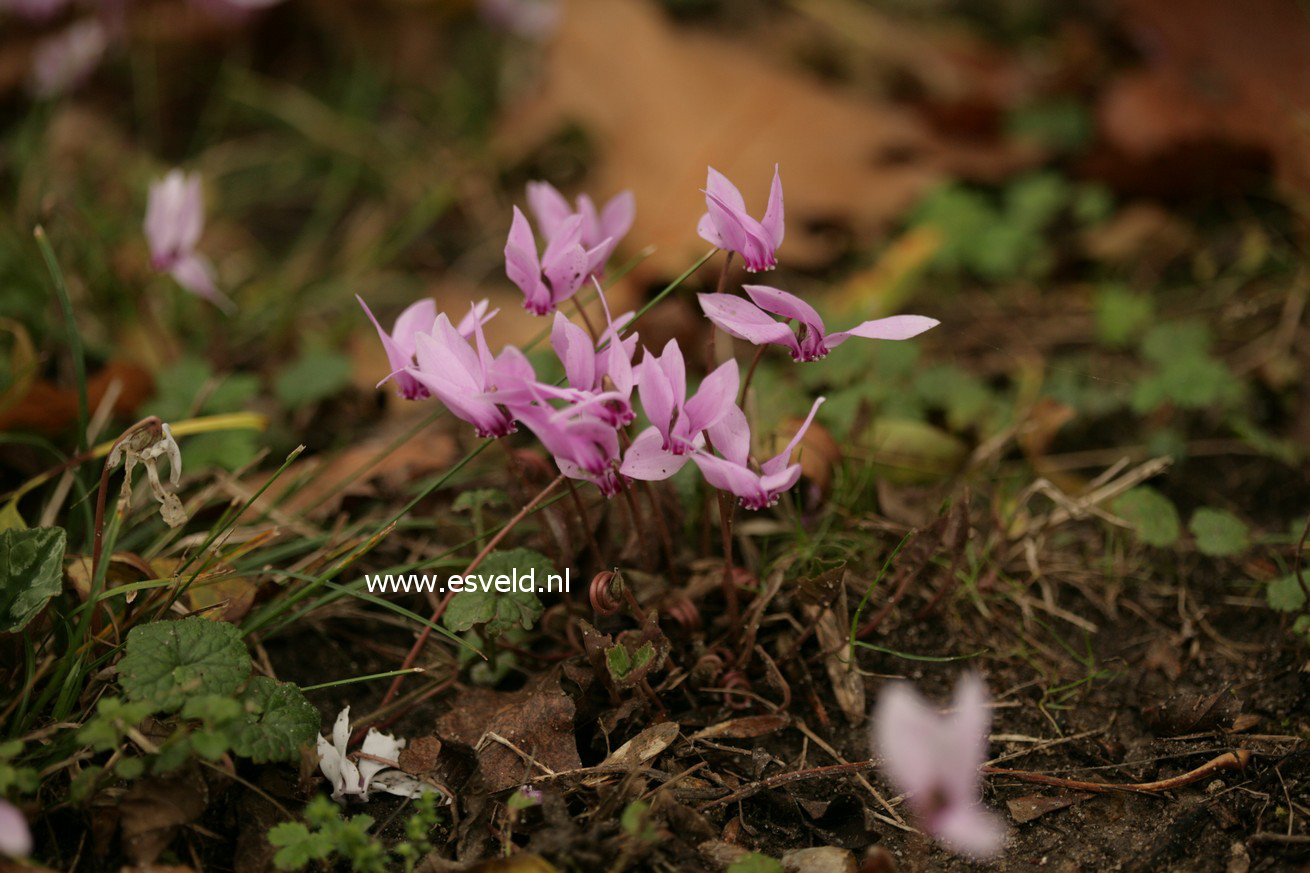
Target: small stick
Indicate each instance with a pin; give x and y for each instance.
(1227, 761)
(586, 522)
(750, 374)
(788, 778)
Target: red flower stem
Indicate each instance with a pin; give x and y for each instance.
(441, 607)
(750, 374)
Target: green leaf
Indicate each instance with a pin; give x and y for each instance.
(11, 518)
(297, 845)
(168, 662)
(1175, 340)
(129, 768)
(498, 611)
(1285, 594)
(1218, 532)
(317, 375)
(1121, 314)
(209, 744)
(755, 863)
(31, 572)
(1151, 514)
(278, 721)
(635, 821)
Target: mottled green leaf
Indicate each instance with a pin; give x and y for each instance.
(278, 720)
(31, 572)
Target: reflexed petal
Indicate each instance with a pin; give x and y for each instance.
(647, 458)
(521, 263)
(717, 392)
(970, 830)
(897, 327)
(717, 185)
(476, 317)
(656, 394)
(909, 736)
(782, 458)
(574, 348)
(730, 477)
(709, 232)
(617, 216)
(439, 364)
(548, 206)
(396, 356)
(15, 834)
(731, 435)
(787, 305)
(194, 273)
(772, 221)
(744, 320)
(415, 319)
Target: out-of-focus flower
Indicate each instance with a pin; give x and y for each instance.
(15, 835)
(36, 10)
(145, 446)
(937, 759)
(555, 276)
(465, 377)
(751, 322)
(727, 225)
(63, 61)
(402, 342)
(732, 471)
(601, 230)
(234, 9)
(351, 779)
(175, 218)
(530, 19)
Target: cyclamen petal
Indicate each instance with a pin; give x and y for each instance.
(648, 460)
(727, 225)
(15, 834)
(937, 759)
(739, 318)
(896, 327)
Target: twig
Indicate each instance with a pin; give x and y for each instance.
(788, 778)
(1236, 760)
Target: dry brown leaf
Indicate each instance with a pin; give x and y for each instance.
(661, 103)
(1031, 806)
(820, 859)
(50, 409)
(847, 683)
(153, 810)
(742, 728)
(537, 719)
(1216, 72)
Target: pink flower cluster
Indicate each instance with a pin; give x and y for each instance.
(583, 421)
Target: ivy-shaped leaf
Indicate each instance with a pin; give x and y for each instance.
(168, 662)
(278, 720)
(31, 572)
(498, 611)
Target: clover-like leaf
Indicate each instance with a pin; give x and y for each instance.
(1218, 532)
(278, 720)
(1151, 514)
(169, 662)
(31, 572)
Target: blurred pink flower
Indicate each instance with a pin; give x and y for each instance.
(36, 10)
(731, 470)
(727, 225)
(175, 218)
(529, 19)
(936, 760)
(402, 342)
(601, 230)
(15, 835)
(65, 60)
(555, 276)
(751, 322)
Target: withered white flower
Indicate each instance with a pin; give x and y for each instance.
(146, 446)
(349, 778)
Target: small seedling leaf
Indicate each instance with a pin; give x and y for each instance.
(1151, 514)
(1285, 594)
(1218, 532)
(278, 720)
(499, 610)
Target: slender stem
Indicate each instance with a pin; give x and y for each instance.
(635, 517)
(666, 538)
(74, 338)
(584, 521)
(586, 319)
(473, 565)
(726, 509)
(1227, 761)
(750, 374)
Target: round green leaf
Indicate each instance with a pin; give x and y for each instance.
(1151, 514)
(170, 661)
(1218, 532)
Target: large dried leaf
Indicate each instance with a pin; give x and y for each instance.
(661, 103)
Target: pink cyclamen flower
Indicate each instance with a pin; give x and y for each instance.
(175, 218)
(63, 61)
(584, 445)
(678, 423)
(752, 322)
(555, 276)
(732, 471)
(937, 760)
(727, 225)
(466, 378)
(601, 230)
(599, 373)
(15, 835)
(402, 342)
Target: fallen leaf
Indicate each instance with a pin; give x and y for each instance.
(154, 808)
(537, 719)
(1030, 806)
(660, 103)
(820, 859)
(420, 755)
(50, 409)
(1215, 73)
(742, 728)
(1191, 713)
